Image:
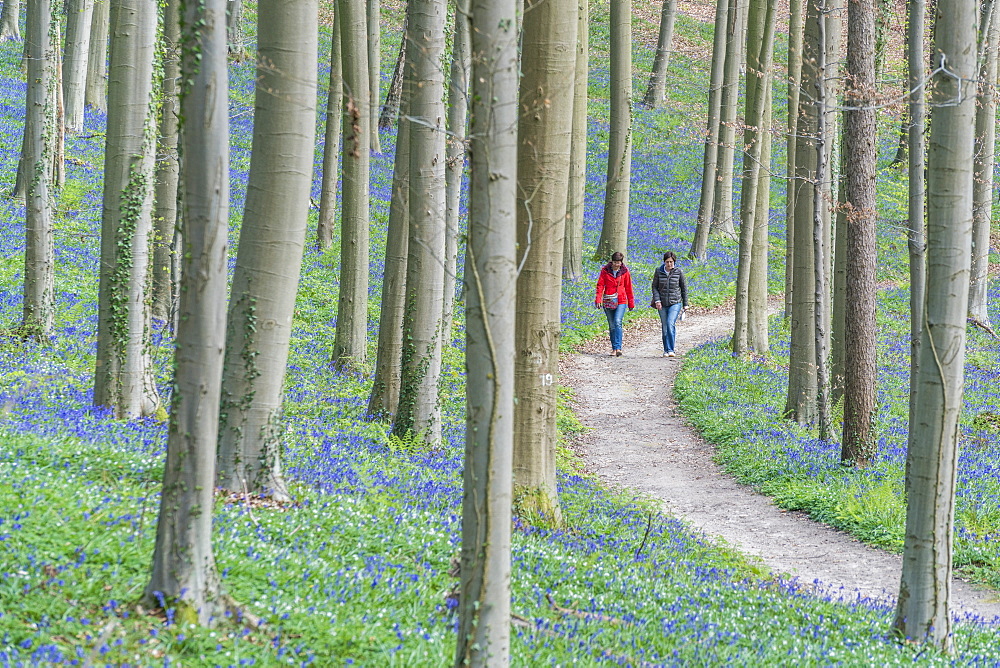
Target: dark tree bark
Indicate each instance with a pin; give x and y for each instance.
(390, 109)
(656, 90)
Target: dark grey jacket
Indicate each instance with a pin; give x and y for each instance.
(669, 288)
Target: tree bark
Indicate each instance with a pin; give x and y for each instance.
(544, 129)
(706, 206)
(96, 93)
(614, 230)
(39, 254)
(656, 90)
(793, 185)
(390, 109)
(331, 144)
(183, 569)
(722, 218)
(458, 105)
(374, 70)
(418, 413)
(79, 15)
(916, 72)
(167, 167)
(573, 242)
(10, 15)
(123, 376)
(922, 613)
(350, 341)
(269, 258)
(234, 30)
(491, 277)
(858, 442)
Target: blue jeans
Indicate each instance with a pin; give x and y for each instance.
(615, 316)
(668, 321)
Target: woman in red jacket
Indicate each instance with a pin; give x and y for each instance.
(614, 294)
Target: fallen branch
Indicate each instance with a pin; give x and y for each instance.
(649, 525)
(589, 616)
(985, 326)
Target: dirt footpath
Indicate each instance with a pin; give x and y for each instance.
(639, 440)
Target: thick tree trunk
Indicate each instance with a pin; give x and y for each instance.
(123, 377)
(858, 443)
(10, 16)
(491, 277)
(922, 613)
(573, 242)
(79, 14)
(655, 91)
(458, 106)
(384, 398)
(269, 258)
(39, 254)
(722, 217)
(390, 108)
(544, 140)
(706, 206)
(184, 570)
(234, 30)
(418, 413)
(916, 72)
(374, 70)
(331, 144)
(165, 211)
(96, 93)
(614, 230)
(350, 342)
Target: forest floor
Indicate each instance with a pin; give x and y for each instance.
(637, 439)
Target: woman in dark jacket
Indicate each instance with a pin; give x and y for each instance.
(669, 299)
(614, 293)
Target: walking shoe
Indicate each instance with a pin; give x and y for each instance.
(666, 354)
(618, 353)
(671, 354)
(612, 353)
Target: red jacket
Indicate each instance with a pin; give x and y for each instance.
(607, 284)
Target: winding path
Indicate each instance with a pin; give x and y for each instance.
(638, 439)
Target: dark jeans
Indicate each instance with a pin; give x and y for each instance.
(615, 316)
(668, 321)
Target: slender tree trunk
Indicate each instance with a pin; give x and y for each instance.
(418, 413)
(123, 377)
(384, 398)
(793, 185)
(184, 568)
(858, 443)
(735, 58)
(374, 70)
(922, 613)
(331, 145)
(544, 129)
(58, 116)
(167, 167)
(458, 105)
(986, 133)
(269, 258)
(39, 255)
(390, 109)
(656, 91)
(350, 342)
(79, 14)
(838, 320)
(706, 206)
(234, 30)
(95, 94)
(614, 231)
(820, 231)
(800, 404)
(10, 28)
(491, 277)
(757, 309)
(573, 243)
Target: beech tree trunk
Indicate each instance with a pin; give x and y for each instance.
(183, 569)
(39, 254)
(614, 231)
(793, 185)
(234, 29)
(390, 108)
(706, 206)
(167, 168)
(916, 71)
(418, 413)
(922, 613)
(10, 15)
(96, 93)
(491, 278)
(79, 15)
(269, 259)
(350, 341)
(331, 144)
(458, 105)
(123, 377)
(656, 90)
(722, 217)
(548, 38)
(573, 242)
(858, 442)
(374, 70)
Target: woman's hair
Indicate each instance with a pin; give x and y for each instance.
(617, 257)
(669, 255)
